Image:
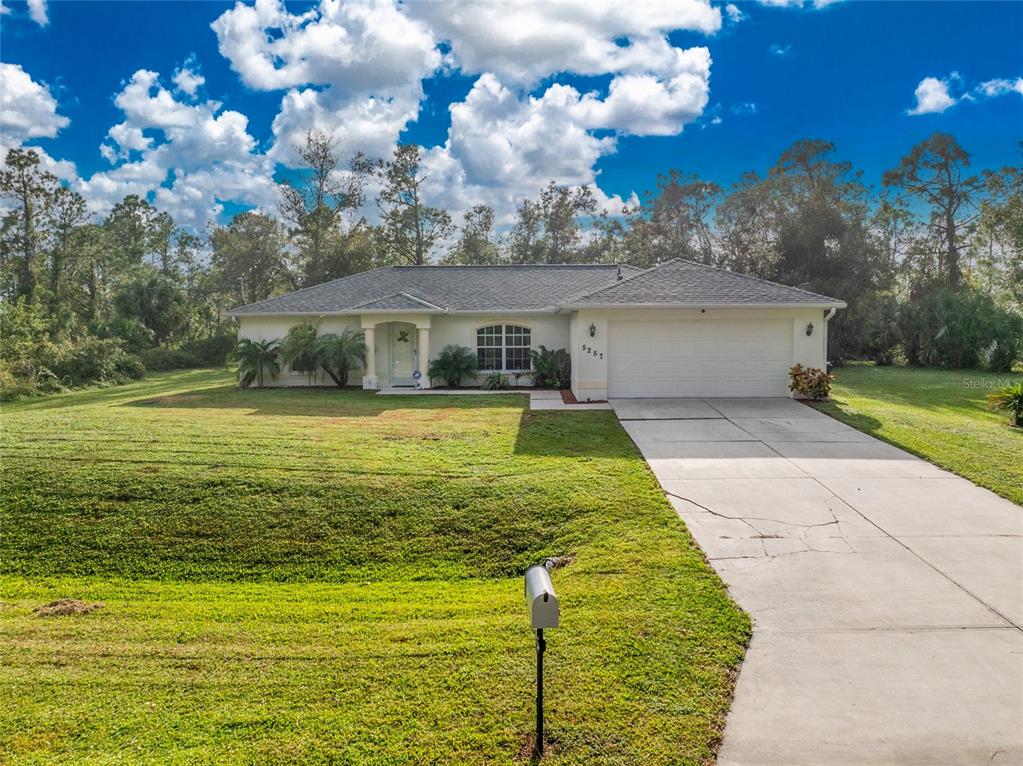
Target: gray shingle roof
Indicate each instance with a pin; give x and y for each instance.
(449, 288)
(685, 283)
(533, 288)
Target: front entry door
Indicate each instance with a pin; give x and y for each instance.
(402, 342)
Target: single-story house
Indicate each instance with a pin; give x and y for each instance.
(677, 329)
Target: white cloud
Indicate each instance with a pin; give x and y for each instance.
(356, 72)
(28, 111)
(734, 13)
(190, 156)
(365, 64)
(37, 10)
(782, 51)
(4, 10)
(932, 96)
(353, 46)
(1000, 87)
(523, 42)
(187, 78)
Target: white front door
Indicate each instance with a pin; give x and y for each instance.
(699, 357)
(402, 342)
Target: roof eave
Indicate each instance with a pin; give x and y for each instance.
(677, 305)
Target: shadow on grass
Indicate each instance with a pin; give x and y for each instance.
(319, 402)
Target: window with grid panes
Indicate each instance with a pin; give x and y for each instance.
(503, 348)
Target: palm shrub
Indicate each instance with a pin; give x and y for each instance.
(551, 369)
(1009, 399)
(964, 329)
(297, 348)
(256, 359)
(883, 331)
(338, 353)
(453, 364)
(495, 381)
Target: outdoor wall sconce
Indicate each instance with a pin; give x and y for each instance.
(809, 329)
(593, 330)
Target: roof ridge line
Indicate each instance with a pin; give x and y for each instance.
(623, 280)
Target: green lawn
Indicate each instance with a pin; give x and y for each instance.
(311, 576)
(939, 415)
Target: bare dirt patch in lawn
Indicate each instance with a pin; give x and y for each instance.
(64, 607)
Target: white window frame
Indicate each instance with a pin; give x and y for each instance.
(507, 330)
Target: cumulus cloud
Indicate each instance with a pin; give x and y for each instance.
(37, 10)
(932, 96)
(352, 70)
(187, 78)
(28, 111)
(356, 72)
(523, 42)
(190, 156)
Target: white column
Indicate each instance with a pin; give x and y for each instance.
(369, 380)
(424, 356)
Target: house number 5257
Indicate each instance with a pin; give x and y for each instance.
(592, 351)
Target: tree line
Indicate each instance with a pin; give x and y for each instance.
(135, 284)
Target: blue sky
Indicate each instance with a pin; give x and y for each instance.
(502, 100)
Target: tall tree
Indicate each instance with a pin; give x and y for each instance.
(322, 206)
(68, 215)
(675, 220)
(411, 229)
(27, 191)
(476, 245)
(549, 230)
(250, 258)
(134, 226)
(935, 173)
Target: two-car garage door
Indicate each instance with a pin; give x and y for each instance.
(699, 357)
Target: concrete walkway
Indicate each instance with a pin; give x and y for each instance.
(886, 594)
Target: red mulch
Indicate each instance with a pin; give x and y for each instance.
(569, 398)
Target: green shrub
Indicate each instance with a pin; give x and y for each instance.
(551, 369)
(1009, 399)
(162, 359)
(212, 351)
(810, 382)
(453, 364)
(495, 381)
(94, 360)
(957, 330)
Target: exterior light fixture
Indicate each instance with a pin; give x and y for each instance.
(544, 612)
(809, 329)
(593, 330)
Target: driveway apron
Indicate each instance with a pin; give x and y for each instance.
(886, 593)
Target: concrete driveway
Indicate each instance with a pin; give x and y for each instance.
(886, 594)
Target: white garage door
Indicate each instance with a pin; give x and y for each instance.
(699, 357)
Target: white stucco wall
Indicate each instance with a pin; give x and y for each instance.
(550, 330)
(276, 327)
(590, 353)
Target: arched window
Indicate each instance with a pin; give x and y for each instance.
(503, 348)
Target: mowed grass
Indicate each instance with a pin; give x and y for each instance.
(939, 415)
(314, 576)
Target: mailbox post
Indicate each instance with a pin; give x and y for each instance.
(544, 612)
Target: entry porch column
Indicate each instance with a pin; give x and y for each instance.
(369, 379)
(424, 357)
